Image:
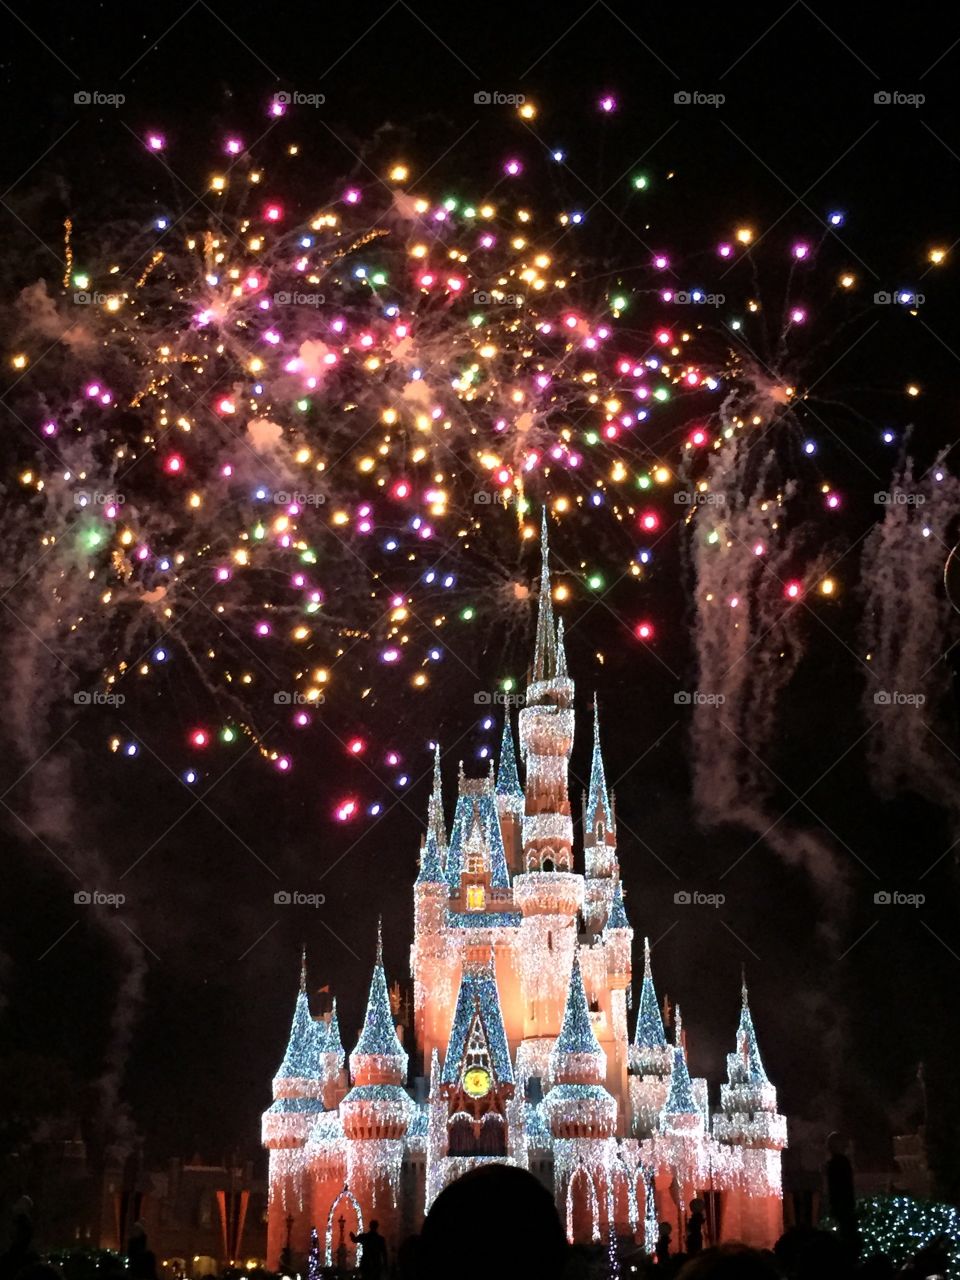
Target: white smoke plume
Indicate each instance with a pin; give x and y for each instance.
(906, 627)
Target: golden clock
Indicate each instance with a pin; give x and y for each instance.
(477, 1082)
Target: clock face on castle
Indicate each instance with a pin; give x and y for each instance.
(476, 1082)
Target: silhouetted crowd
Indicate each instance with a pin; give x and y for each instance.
(497, 1222)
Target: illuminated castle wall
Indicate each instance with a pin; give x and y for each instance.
(522, 970)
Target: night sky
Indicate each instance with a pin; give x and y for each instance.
(847, 996)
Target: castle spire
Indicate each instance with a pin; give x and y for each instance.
(508, 778)
(598, 798)
(379, 1035)
(435, 821)
(577, 1034)
(617, 919)
(680, 1100)
(334, 1042)
(306, 1041)
(649, 1033)
(747, 1049)
(561, 653)
(545, 650)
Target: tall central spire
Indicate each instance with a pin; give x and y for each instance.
(545, 651)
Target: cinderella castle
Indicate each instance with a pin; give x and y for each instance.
(523, 984)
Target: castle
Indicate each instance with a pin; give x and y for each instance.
(522, 979)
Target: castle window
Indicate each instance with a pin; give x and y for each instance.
(476, 897)
(548, 864)
(474, 864)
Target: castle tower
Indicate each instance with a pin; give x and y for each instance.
(616, 946)
(510, 798)
(298, 1090)
(599, 840)
(548, 893)
(377, 1111)
(583, 1119)
(430, 965)
(748, 1118)
(650, 1057)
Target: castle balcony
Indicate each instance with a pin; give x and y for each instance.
(581, 1111)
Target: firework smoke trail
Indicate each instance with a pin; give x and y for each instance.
(905, 629)
(749, 639)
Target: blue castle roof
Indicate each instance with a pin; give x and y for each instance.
(478, 997)
(577, 1034)
(379, 1035)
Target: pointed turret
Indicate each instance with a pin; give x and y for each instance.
(379, 1035)
(334, 1042)
(545, 649)
(435, 820)
(649, 1033)
(508, 777)
(477, 1039)
(579, 1106)
(680, 1099)
(598, 809)
(617, 918)
(747, 1049)
(299, 1073)
(561, 653)
(577, 1034)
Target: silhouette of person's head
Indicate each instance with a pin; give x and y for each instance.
(495, 1220)
(836, 1144)
(374, 1224)
(729, 1262)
